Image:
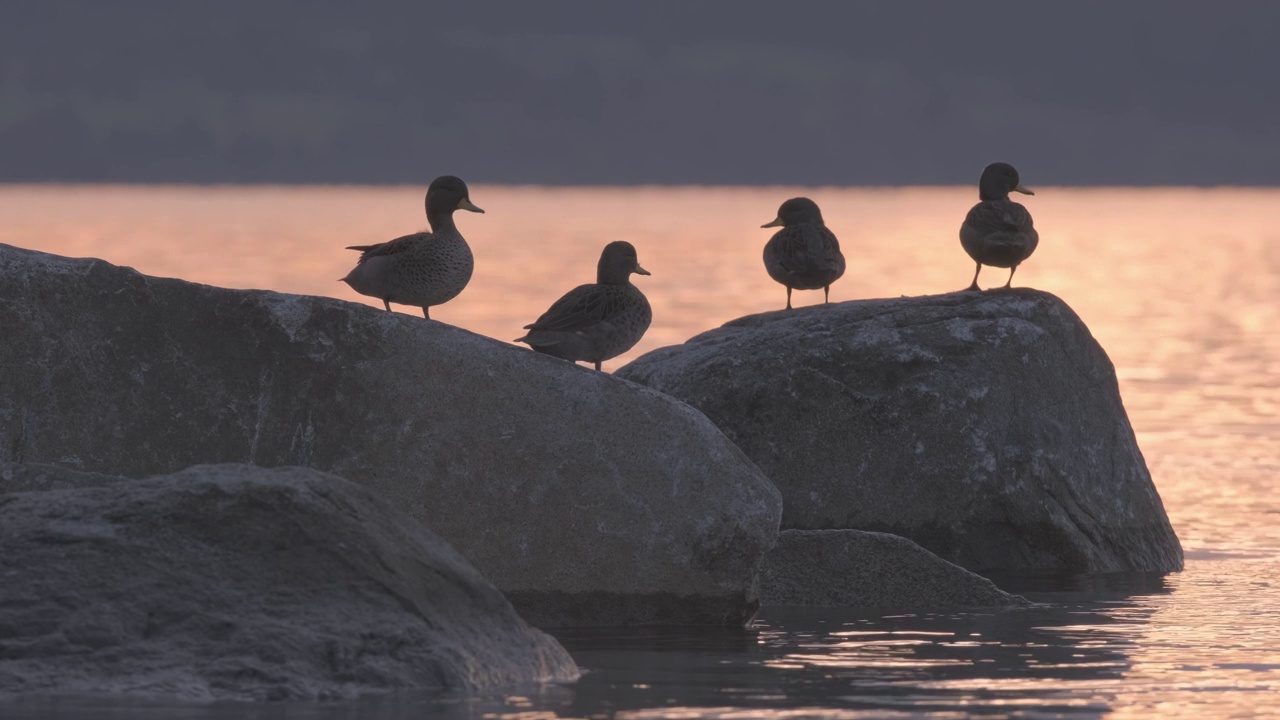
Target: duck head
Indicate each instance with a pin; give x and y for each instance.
(998, 180)
(446, 195)
(796, 211)
(617, 262)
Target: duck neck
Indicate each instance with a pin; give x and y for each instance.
(991, 188)
(612, 276)
(441, 220)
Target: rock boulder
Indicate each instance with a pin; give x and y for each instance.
(236, 582)
(588, 500)
(870, 570)
(987, 427)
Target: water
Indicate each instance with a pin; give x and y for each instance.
(1182, 287)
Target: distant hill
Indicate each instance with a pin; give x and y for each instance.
(724, 91)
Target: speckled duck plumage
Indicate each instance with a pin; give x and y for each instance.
(599, 321)
(804, 254)
(425, 268)
(998, 231)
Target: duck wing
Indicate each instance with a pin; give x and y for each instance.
(826, 248)
(391, 247)
(580, 308)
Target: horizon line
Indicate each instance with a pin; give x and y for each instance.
(605, 186)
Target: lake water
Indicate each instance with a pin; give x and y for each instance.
(1181, 286)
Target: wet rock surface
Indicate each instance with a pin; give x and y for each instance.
(870, 570)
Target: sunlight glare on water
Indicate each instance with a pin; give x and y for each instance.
(1181, 286)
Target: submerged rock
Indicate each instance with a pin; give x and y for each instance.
(586, 499)
(232, 581)
(869, 570)
(987, 427)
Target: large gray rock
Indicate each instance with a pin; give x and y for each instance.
(986, 427)
(588, 500)
(870, 570)
(233, 581)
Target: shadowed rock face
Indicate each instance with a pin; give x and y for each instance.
(869, 570)
(987, 427)
(586, 499)
(237, 582)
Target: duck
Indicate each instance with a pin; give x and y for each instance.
(998, 231)
(599, 321)
(426, 268)
(804, 254)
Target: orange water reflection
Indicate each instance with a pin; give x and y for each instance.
(1181, 286)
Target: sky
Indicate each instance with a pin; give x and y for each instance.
(739, 92)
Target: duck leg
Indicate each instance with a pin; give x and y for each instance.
(974, 285)
(426, 313)
(386, 303)
(598, 366)
(826, 294)
(1012, 270)
(788, 298)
